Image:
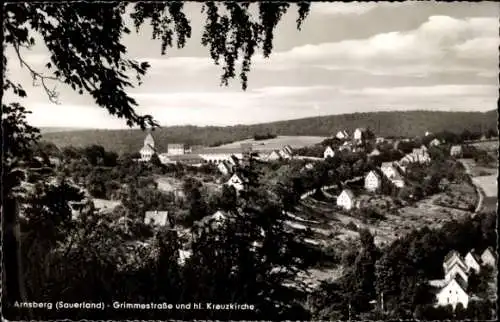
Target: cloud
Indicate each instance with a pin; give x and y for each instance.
(343, 8)
(426, 91)
(438, 45)
(442, 44)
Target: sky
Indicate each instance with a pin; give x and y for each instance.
(348, 57)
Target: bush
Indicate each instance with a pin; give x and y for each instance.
(352, 226)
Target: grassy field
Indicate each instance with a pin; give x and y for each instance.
(295, 142)
(486, 145)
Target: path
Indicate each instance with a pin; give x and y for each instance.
(478, 188)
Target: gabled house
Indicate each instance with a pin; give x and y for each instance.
(328, 153)
(456, 269)
(288, 149)
(273, 156)
(156, 218)
(284, 154)
(346, 199)
(342, 135)
(372, 181)
(359, 133)
(488, 257)
(456, 151)
(453, 293)
(236, 182)
(389, 169)
(375, 152)
(473, 261)
(233, 160)
(224, 167)
(435, 142)
(451, 259)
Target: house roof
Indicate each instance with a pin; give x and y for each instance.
(450, 255)
(375, 152)
(220, 151)
(489, 250)
(348, 192)
(474, 255)
(373, 173)
(156, 215)
(387, 165)
(176, 145)
(185, 157)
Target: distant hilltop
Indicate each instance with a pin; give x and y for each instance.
(394, 123)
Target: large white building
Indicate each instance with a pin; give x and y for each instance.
(148, 148)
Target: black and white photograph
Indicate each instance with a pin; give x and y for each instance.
(250, 160)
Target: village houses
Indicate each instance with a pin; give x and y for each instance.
(375, 152)
(328, 153)
(342, 135)
(456, 151)
(274, 156)
(452, 290)
(346, 199)
(435, 142)
(156, 218)
(359, 134)
(236, 182)
(148, 148)
(225, 167)
(372, 181)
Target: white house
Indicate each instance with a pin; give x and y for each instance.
(472, 260)
(288, 149)
(389, 170)
(157, 218)
(177, 149)
(453, 293)
(224, 168)
(435, 142)
(398, 181)
(342, 135)
(236, 182)
(346, 199)
(328, 153)
(372, 181)
(428, 133)
(285, 154)
(233, 160)
(379, 140)
(488, 257)
(183, 256)
(456, 150)
(273, 156)
(374, 153)
(359, 133)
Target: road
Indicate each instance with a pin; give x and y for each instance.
(479, 190)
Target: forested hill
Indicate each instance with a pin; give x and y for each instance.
(411, 123)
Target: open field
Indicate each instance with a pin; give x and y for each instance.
(105, 204)
(486, 145)
(295, 142)
(488, 184)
